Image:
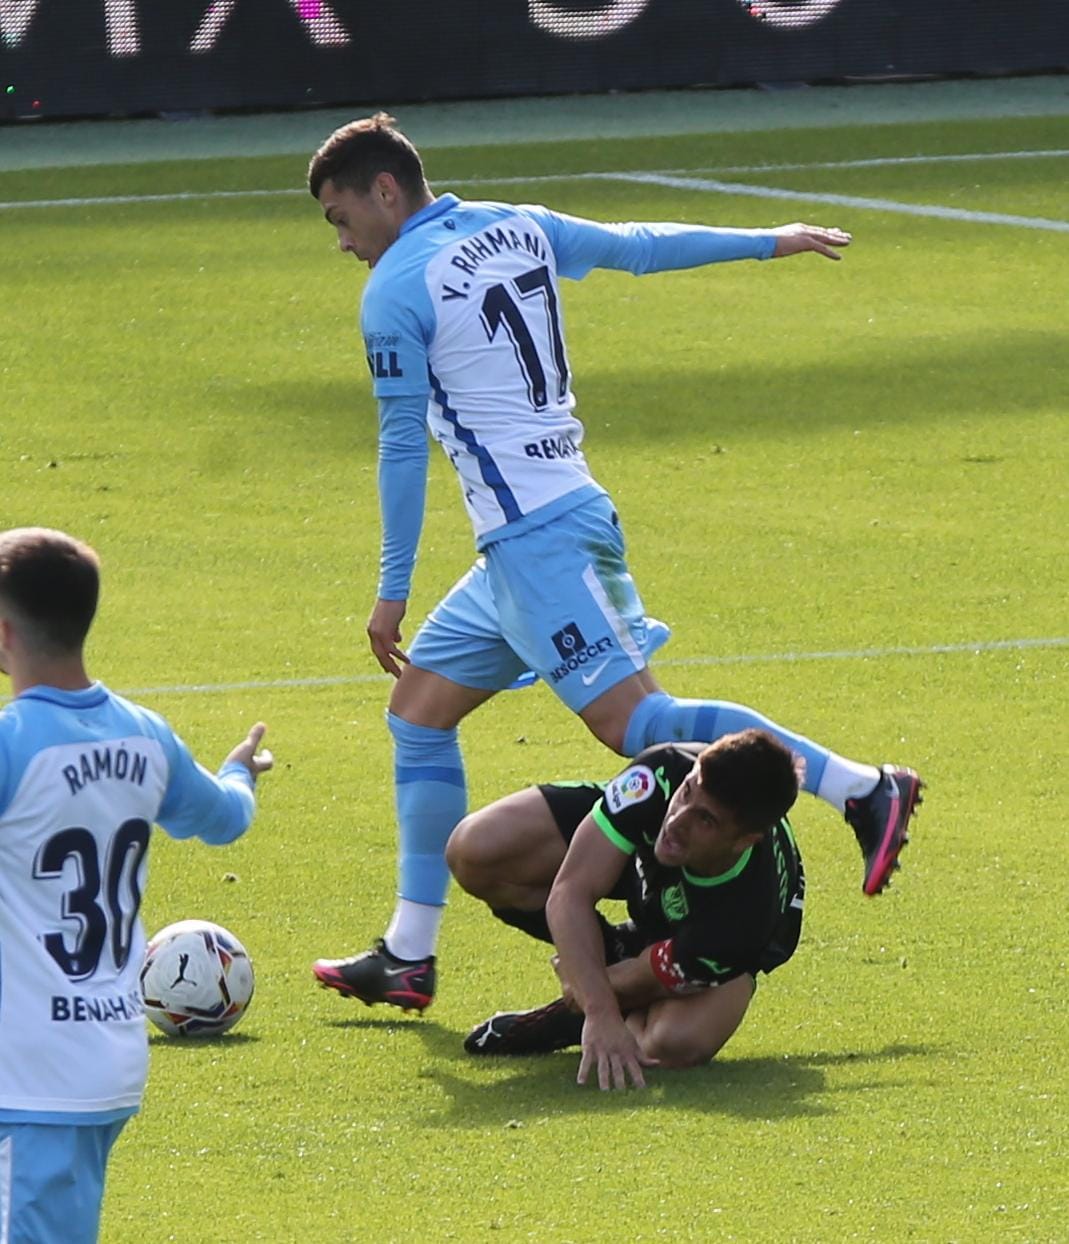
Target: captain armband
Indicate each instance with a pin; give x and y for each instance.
(668, 971)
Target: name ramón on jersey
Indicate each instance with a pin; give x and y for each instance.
(488, 244)
(99, 763)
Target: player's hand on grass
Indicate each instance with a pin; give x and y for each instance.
(797, 238)
(611, 1047)
(384, 632)
(247, 752)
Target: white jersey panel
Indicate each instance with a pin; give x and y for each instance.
(73, 855)
(464, 309)
(501, 402)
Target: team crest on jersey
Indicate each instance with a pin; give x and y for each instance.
(631, 787)
(674, 903)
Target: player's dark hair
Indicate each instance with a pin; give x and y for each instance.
(51, 583)
(355, 154)
(753, 775)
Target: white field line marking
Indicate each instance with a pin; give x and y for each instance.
(177, 196)
(772, 658)
(180, 196)
(877, 162)
(839, 200)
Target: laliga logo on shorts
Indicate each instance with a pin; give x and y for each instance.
(590, 24)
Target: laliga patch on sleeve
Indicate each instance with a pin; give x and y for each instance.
(633, 786)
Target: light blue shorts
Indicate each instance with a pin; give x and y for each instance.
(557, 600)
(52, 1181)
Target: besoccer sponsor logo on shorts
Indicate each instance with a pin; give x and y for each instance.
(631, 787)
(572, 645)
(568, 640)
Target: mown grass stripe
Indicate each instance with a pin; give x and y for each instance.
(840, 200)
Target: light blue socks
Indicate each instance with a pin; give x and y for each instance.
(431, 798)
(661, 718)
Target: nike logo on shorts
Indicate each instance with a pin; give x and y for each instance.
(594, 675)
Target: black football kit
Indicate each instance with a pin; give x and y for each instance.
(702, 931)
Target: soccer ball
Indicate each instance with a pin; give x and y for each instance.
(196, 979)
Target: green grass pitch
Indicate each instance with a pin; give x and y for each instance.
(808, 459)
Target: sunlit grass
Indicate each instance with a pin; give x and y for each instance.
(807, 457)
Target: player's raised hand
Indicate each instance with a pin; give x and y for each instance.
(611, 1047)
(797, 238)
(384, 632)
(247, 752)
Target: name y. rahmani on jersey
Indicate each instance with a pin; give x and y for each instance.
(487, 244)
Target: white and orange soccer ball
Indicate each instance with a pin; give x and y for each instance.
(197, 979)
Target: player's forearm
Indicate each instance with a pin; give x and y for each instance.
(643, 248)
(402, 492)
(669, 247)
(237, 806)
(581, 950)
(638, 247)
(634, 983)
(215, 808)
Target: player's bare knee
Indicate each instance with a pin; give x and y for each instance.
(473, 856)
(676, 1051)
(461, 853)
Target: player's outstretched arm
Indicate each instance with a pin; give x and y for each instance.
(248, 752)
(798, 238)
(216, 808)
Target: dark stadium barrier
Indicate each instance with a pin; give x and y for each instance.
(128, 57)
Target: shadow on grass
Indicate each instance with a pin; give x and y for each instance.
(543, 1086)
(919, 379)
(384, 1020)
(905, 382)
(195, 1042)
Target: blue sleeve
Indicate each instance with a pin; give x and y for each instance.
(402, 490)
(397, 321)
(7, 785)
(196, 804)
(581, 245)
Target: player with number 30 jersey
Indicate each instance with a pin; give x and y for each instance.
(84, 775)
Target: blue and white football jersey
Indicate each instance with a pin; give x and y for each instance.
(84, 775)
(463, 309)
